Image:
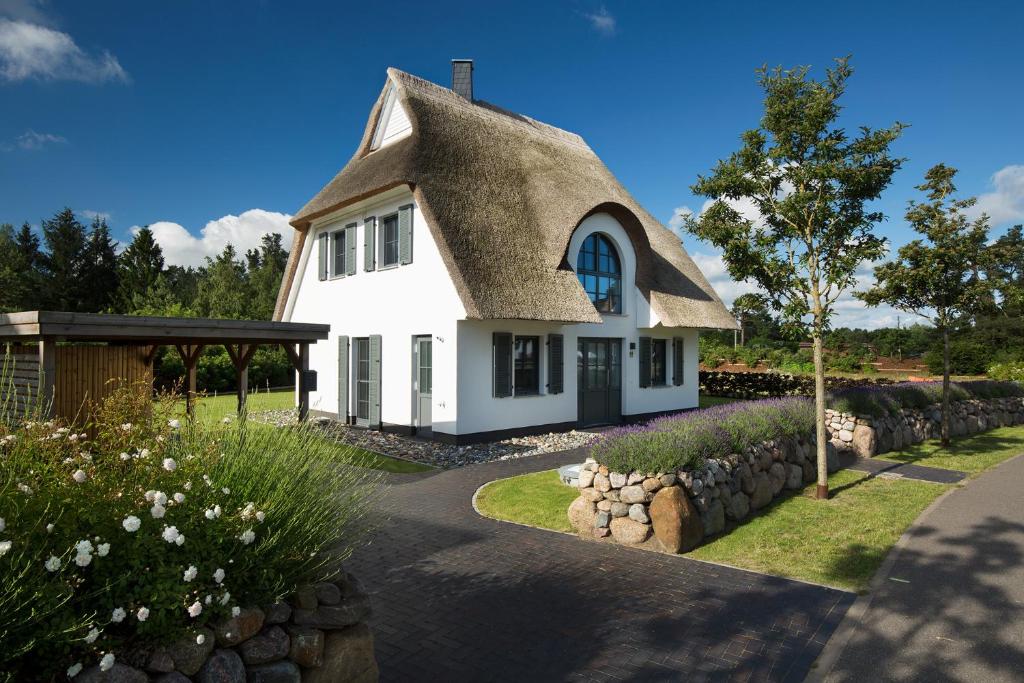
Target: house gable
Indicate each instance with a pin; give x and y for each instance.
(393, 123)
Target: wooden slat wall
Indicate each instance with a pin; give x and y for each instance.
(83, 373)
(90, 373)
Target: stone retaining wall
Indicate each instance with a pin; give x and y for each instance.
(869, 436)
(678, 510)
(318, 636)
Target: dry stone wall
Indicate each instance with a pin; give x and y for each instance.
(319, 635)
(869, 436)
(678, 510)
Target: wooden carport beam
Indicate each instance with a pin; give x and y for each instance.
(300, 361)
(240, 357)
(47, 373)
(190, 356)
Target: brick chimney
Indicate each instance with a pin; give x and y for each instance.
(462, 78)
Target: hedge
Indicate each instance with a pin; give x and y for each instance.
(773, 384)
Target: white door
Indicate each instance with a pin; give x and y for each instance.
(424, 385)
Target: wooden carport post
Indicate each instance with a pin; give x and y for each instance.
(190, 356)
(300, 361)
(240, 357)
(47, 374)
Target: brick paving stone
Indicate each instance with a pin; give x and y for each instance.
(458, 597)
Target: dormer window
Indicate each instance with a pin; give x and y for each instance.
(600, 272)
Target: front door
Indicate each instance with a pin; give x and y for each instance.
(599, 381)
(424, 385)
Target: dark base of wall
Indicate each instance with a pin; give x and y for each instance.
(402, 430)
(499, 434)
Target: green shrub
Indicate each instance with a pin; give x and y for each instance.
(965, 358)
(91, 556)
(1010, 370)
(751, 356)
(889, 400)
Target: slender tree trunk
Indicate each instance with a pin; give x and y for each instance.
(945, 386)
(819, 417)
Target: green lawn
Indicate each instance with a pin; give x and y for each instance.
(972, 454)
(708, 401)
(840, 542)
(212, 409)
(538, 499)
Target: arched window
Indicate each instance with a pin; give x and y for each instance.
(600, 273)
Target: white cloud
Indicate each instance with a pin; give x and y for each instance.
(678, 220)
(28, 10)
(29, 50)
(1006, 203)
(92, 215)
(601, 21)
(243, 231)
(30, 141)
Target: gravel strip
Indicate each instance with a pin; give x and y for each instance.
(434, 453)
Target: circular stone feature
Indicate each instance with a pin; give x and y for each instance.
(570, 474)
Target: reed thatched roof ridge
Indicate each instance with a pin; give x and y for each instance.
(502, 194)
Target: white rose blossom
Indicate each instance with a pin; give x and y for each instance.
(49, 528)
(218, 575)
(157, 511)
(190, 573)
(74, 670)
(127, 427)
(179, 498)
(125, 456)
(180, 540)
(260, 516)
(118, 615)
(131, 523)
(142, 614)
(5, 546)
(169, 464)
(170, 534)
(195, 609)
(200, 639)
(208, 599)
(92, 635)
(226, 598)
(103, 549)
(79, 476)
(174, 424)
(52, 564)
(247, 537)
(236, 610)
(107, 663)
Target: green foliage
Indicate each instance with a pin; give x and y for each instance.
(19, 269)
(269, 367)
(810, 183)
(269, 507)
(99, 280)
(63, 262)
(966, 357)
(140, 266)
(1010, 370)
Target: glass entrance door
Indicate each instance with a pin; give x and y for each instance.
(599, 381)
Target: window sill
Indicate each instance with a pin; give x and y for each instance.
(532, 394)
(389, 267)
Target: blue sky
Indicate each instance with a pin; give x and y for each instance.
(228, 116)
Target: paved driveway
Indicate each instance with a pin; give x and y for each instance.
(458, 597)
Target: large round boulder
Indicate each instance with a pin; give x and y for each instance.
(629, 531)
(677, 526)
(581, 514)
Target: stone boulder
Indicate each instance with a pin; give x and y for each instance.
(714, 518)
(777, 476)
(189, 655)
(352, 611)
(307, 646)
(119, 673)
(864, 441)
(586, 479)
(677, 526)
(348, 656)
(277, 672)
(746, 479)
(633, 494)
(581, 514)
(762, 491)
(629, 531)
(638, 513)
(268, 646)
(794, 477)
(739, 506)
(239, 629)
(223, 666)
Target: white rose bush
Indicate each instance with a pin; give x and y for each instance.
(141, 529)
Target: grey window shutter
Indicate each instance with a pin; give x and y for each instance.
(350, 249)
(677, 361)
(375, 348)
(323, 246)
(502, 364)
(343, 379)
(645, 361)
(405, 234)
(556, 362)
(370, 243)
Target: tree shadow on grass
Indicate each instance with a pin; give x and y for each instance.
(946, 604)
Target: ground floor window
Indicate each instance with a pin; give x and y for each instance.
(362, 378)
(526, 358)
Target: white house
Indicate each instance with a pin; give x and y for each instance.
(484, 274)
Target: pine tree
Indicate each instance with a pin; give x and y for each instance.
(63, 263)
(266, 267)
(100, 272)
(139, 266)
(224, 287)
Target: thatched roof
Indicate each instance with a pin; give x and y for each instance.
(502, 195)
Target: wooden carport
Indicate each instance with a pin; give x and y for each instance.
(189, 336)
